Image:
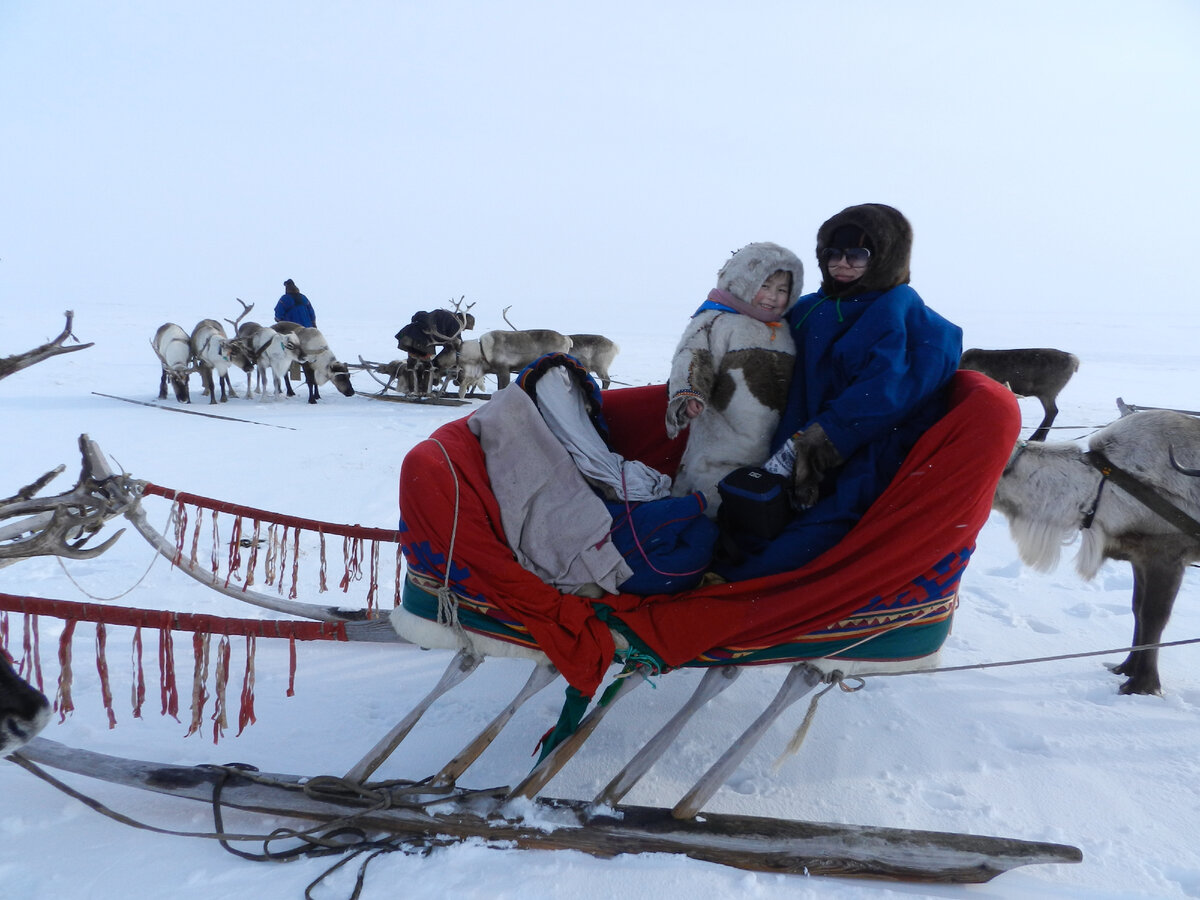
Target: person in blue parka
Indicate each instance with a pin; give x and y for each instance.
(873, 363)
(293, 306)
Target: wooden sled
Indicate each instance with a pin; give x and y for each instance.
(865, 604)
(464, 591)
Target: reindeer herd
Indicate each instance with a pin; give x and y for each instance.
(437, 355)
(254, 349)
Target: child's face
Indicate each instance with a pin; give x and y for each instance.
(774, 293)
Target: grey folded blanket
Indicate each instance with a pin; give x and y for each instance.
(553, 521)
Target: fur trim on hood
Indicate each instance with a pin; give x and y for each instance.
(748, 268)
(891, 238)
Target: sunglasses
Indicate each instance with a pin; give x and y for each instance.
(854, 256)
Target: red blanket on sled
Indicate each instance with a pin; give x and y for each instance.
(936, 505)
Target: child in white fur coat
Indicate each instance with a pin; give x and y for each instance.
(733, 367)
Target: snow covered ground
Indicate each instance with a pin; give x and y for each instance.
(589, 171)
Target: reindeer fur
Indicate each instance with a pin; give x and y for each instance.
(1047, 490)
(1040, 372)
(24, 710)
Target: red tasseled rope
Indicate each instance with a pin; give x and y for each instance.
(352, 552)
(291, 691)
(62, 700)
(323, 586)
(253, 560)
(374, 585)
(199, 677)
(137, 685)
(166, 670)
(102, 670)
(31, 623)
(222, 678)
(382, 534)
(295, 562)
(196, 535)
(235, 551)
(180, 531)
(26, 649)
(272, 555)
(246, 710)
(215, 556)
(283, 560)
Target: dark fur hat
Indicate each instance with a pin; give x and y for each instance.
(884, 231)
(290, 287)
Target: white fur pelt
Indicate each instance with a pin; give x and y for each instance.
(740, 369)
(1047, 489)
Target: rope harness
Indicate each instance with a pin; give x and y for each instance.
(1140, 491)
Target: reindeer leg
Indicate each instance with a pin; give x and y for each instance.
(162, 386)
(1049, 410)
(1155, 585)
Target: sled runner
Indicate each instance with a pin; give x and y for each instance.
(408, 814)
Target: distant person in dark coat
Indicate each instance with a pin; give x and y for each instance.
(293, 306)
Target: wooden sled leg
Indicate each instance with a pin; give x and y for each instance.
(541, 676)
(463, 664)
(541, 774)
(714, 681)
(800, 680)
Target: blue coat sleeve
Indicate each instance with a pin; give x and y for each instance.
(896, 356)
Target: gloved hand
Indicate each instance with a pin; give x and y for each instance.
(815, 455)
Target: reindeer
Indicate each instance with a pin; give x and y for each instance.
(432, 340)
(501, 353)
(173, 348)
(270, 349)
(214, 352)
(431, 329)
(1050, 492)
(24, 710)
(595, 353)
(318, 361)
(1033, 372)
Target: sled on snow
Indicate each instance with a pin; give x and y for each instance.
(883, 599)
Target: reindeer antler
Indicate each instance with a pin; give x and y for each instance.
(63, 524)
(504, 315)
(19, 361)
(245, 311)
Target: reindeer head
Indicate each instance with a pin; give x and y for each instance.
(240, 354)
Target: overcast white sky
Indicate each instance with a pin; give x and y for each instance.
(602, 161)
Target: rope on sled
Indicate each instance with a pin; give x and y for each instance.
(447, 613)
(281, 540)
(202, 628)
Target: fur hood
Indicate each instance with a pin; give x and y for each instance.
(888, 235)
(749, 267)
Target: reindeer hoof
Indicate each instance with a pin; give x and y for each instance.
(1150, 687)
